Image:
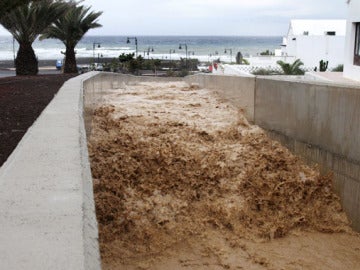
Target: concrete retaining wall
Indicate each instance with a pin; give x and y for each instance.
(237, 90)
(97, 85)
(47, 213)
(320, 122)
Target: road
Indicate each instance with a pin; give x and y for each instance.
(10, 73)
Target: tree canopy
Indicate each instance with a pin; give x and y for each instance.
(70, 29)
(8, 5)
(26, 22)
(291, 69)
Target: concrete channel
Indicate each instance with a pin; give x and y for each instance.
(46, 199)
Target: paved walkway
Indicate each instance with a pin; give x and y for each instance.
(47, 215)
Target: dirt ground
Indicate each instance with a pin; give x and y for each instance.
(22, 99)
(183, 181)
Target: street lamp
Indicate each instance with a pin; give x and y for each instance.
(191, 53)
(136, 44)
(186, 51)
(95, 44)
(149, 49)
(100, 55)
(211, 55)
(13, 44)
(230, 54)
(170, 52)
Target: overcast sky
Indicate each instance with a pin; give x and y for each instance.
(208, 17)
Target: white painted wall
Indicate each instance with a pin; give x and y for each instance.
(350, 70)
(312, 49)
(316, 46)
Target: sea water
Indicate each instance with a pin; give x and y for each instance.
(205, 48)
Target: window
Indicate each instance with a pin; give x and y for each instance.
(357, 45)
(330, 33)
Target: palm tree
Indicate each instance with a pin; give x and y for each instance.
(291, 69)
(8, 5)
(26, 23)
(70, 29)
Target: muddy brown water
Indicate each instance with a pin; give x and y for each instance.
(183, 181)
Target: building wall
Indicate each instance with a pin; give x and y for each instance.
(312, 49)
(350, 70)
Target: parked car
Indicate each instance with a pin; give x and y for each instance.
(83, 68)
(97, 67)
(59, 64)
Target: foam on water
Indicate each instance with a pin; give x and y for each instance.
(205, 48)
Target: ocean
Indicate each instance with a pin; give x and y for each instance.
(205, 48)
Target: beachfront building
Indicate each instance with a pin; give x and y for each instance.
(314, 40)
(352, 47)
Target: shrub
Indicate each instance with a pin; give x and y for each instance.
(338, 68)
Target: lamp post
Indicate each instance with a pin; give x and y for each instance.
(211, 55)
(100, 55)
(170, 52)
(95, 44)
(136, 44)
(13, 45)
(149, 49)
(191, 63)
(230, 54)
(186, 52)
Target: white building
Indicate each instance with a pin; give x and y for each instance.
(314, 40)
(352, 47)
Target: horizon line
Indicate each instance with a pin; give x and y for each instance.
(169, 35)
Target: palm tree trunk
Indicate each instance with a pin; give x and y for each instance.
(70, 61)
(26, 62)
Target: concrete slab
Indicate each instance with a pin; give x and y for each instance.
(335, 77)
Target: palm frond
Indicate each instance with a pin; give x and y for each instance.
(291, 69)
(8, 5)
(75, 23)
(27, 22)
